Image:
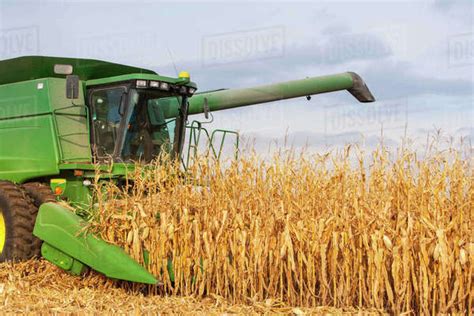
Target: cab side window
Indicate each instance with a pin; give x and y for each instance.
(106, 106)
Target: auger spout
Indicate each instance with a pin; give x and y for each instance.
(232, 98)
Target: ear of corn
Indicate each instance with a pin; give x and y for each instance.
(392, 233)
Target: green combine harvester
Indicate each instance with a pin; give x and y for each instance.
(63, 119)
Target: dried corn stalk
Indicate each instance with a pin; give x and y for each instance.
(393, 234)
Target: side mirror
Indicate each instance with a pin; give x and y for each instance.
(72, 87)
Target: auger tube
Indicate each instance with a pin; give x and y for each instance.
(232, 98)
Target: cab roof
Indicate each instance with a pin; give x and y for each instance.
(37, 67)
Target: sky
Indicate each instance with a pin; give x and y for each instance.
(417, 58)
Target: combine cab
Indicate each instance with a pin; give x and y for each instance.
(62, 118)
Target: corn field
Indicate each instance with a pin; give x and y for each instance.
(386, 231)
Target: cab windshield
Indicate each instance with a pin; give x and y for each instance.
(137, 125)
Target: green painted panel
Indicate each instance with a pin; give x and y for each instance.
(35, 67)
(63, 230)
(24, 99)
(35, 117)
(27, 148)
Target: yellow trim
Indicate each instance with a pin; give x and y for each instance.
(184, 74)
(58, 181)
(3, 232)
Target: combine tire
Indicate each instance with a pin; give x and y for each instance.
(17, 219)
(39, 193)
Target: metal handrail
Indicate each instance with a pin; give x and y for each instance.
(196, 131)
(221, 147)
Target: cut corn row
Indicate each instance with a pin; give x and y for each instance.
(37, 287)
(388, 234)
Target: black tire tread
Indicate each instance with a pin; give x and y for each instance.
(39, 193)
(21, 244)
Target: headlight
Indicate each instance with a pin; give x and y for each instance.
(141, 84)
(154, 84)
(164, 86)
(191, 90)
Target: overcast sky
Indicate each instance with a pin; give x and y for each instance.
(417, 57)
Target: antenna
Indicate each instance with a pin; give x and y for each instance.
(172, 60)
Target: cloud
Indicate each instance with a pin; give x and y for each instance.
(325, 141)
(467, 132)
(443, 5)
(351, 47)
(336, 29)
(322, 142)
(330, 51)
(459, 12)
(387, 78)
(395, 80)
